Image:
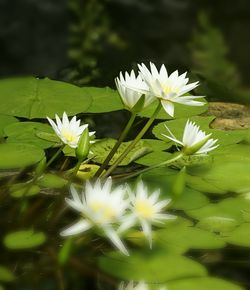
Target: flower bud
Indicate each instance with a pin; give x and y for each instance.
(82, 149)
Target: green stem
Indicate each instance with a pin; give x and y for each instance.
(55, 155)
(117, 145)
(135, 141)
(167, 162)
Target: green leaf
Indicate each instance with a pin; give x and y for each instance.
(38, 98)
(51, 181)
(240, 236)
(181, 111)
(23, 189)
(27, 132)
(15, 155)
(146, 266)
(6, 275)
(25, 239)
(202, 283)
(187, 237)
(102, 148)
(5, 121)
(104, 100)
(154, 158)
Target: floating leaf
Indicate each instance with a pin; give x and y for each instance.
(25, 239)
(181, 111)
(27, 132)
(154, 158)
(6, 275)
(38, 98)
(146, 266)
(202, 283)
(15, 155)
(104, 100)
(102, 148)
(5, 121)
(240, 236)
(24, 189)
(51, 181)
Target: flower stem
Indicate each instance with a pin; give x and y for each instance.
(55, 155)
(167, 162)
(117, 145)
(135, 141)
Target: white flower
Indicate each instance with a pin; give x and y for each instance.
(169, 89)
(129, 95)
(146, 209)
(194, 140)
(140, 286)
(100, 207)
(69, 131)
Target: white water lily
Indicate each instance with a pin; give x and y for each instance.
(100, 207)
(130, 96)
(169, 89)
(69, 131)
(133, 286)
(194, 140)
(146, 209)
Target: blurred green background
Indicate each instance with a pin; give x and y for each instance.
(87, 42)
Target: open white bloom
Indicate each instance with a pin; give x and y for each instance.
(130, 96)
(194, 140)
(100, 207)
(139, 286)
(146, 209)
(69, 131)
(169, 89)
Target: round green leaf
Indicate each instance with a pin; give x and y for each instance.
(6, 275)
(31, 97)
(240, 236)
(15, 155)
(51, 181)
(104, 100)
(202, 283)
(5, 121)
(25, 239)
(146, 266)
(27, 132)
(23, 190)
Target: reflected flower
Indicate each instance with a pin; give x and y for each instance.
(194, 140)
(101, 207)
(127, 85)
(169, 89)
(133, 286)
(69, 131)
(146, 209)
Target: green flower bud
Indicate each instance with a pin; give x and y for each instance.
(82, 149)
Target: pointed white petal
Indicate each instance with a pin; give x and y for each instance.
(76, 228)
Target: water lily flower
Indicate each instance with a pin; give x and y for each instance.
(146, 209)
(194, 140)
(69, 131)
(125, 86)
(139, 286)
(100, 207)
(169, 89)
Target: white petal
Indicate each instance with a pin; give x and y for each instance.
(76, 228)
(168, 107)
(113, 236)
(146, 228)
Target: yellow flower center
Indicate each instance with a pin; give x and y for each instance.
(144, 209)
(170, 89)
(69, 136)
(106, 213)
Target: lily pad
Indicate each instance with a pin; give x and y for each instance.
(17, 155)
(6, 275)
(145, 266)
(51, 181)
(23, 189)
(202, 283)
(27, 132)
(31, 97)
(25, 239)
(240, 236)
(5, 121)
(104, 100)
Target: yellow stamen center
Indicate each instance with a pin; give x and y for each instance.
(69, 136)
(144, 209)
